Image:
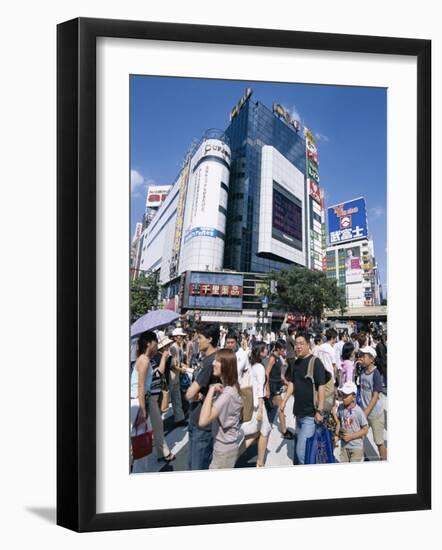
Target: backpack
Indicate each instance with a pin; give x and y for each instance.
(330, 390)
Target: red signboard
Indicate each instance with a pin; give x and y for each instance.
(301, 321)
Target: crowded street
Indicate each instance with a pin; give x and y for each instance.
(281, 434)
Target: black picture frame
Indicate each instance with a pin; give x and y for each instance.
(76, 273)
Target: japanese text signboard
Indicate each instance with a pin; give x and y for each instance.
(347, 221)
(211, 290)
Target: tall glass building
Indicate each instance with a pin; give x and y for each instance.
(252, 128)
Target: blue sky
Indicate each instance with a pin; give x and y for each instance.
(350, 124)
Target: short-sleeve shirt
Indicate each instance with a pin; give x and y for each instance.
(290, 343)
(204, 378)
(326, 354)
(226, 428)
(371, 382)
(352, 419)
(304, 405)
(347, 369)
(258, 382)
(338, 352)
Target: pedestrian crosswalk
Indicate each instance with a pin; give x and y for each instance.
(279, 450)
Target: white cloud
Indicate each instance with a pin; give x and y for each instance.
(377, 212)
(321, 137)
(139, 184)
(136, 180)
(294, 113)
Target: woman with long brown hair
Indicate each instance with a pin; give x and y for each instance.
(222, 407)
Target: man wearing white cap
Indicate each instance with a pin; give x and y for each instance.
(352, 425)
(177, 366)
(371, 389)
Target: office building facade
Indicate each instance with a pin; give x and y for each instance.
(246, 201)
(266, 222)
(350, 255)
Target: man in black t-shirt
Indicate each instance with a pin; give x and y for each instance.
(201, 439)
(302, 388)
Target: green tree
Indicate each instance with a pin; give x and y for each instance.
(306, 291)
(143, 295)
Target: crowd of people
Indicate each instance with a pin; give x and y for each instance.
(232, 389)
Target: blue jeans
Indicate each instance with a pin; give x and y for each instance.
(200, 448)
(305, 428)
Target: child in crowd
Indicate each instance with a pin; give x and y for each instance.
(347, 363)
(352, 425)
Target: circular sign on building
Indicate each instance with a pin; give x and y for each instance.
(345, 222)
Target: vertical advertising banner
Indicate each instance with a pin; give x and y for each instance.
(179, 221)
(314, 191)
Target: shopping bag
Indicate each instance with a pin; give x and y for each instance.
(319, 447)
(141, 442)
(358, 396)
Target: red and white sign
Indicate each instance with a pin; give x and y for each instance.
(345, 222)
(156, 195)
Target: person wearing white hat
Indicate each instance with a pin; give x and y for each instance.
(352, 425)
(159, 365)
(371, 390)
(178, 366)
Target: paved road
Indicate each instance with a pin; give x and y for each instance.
(279, 450)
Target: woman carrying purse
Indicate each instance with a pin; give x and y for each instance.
(159, 364)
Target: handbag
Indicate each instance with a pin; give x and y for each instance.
(141, 443)
(185, 381)
(164, 396)
(246, 393)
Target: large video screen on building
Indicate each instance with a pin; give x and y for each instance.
(286, 217)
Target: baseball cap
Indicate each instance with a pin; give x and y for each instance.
(348, 388)
(369, 350)
(178, 332)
